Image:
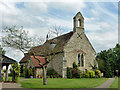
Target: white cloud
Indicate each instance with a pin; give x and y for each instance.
(102, 41)
(68, 6)
(35, 8)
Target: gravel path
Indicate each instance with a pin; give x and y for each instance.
(11, 85)
(107, 83)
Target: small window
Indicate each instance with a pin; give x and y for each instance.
(79, 60)
(53, 45)
(79, 23)
(82, 60)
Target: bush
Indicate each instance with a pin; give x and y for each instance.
(69, 72)
(25, 72)
(52, 73)
(31, 71)
(15, 70)
(91, 74)
(75, 73)
(84, 75)
(98, 73)
(75, 66)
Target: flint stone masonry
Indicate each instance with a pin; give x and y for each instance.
(57, 63)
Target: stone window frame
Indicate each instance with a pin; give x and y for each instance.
(79, 22)
(80, 60)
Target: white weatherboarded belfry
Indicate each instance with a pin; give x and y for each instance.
(68, 48)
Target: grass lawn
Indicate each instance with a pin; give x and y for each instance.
(115, 83)
(63, 83)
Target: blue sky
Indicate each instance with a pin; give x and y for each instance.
(101, 20)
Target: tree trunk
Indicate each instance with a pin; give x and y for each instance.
(44, 76)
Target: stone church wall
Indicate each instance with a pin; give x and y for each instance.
(57, 63)
(76, 46)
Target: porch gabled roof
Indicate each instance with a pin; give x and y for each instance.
(7, 60)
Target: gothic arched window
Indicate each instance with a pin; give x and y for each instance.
(79, 23)
(82, 60)
(79, 60)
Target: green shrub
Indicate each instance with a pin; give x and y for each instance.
(98, 73)
(75, 73)
(91, 74)
(52, 73)
(15, 70)
(85, 75)
(75, 65)
(25, 72)
(31, 71)
(69, 72)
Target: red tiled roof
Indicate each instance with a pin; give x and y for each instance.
(25, 59)
(36, 62)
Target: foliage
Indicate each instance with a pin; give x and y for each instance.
(18, 38)
(75, 65)
(52, 73)
(85, 75)
(75, 73)
(25, 72)
(4, 70)
(15, 69)
(69, 72)
(91, 74)
(94, 67)
(98, 73)
(31, 72)
(109, 61)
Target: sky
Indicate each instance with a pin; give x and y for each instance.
(101, 20)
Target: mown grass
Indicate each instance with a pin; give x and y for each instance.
(63, 83)
(115, 83)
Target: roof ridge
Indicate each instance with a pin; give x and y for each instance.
(60, 35)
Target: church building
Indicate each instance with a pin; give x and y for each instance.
(68, 48)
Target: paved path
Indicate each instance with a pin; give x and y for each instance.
(11, 85)
(107, 83)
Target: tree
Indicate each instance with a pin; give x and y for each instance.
(109, 61)
(20, 39)
(117, 54)
(50, 55)
(54, 31)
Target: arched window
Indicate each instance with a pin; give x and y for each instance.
(79, 23)
(82, 60)
(79, 60)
